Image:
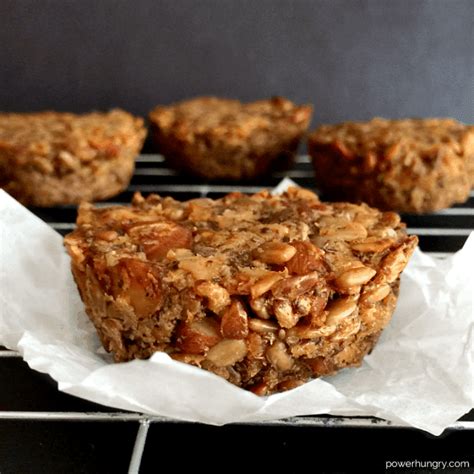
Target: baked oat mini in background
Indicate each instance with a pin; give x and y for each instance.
(217, 138)
(411, 165)
(53, 158)
(266, 291)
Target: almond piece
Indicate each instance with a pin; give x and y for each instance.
(284, 313)
(264, 284)
(158, 237)
(234, 322)
(138, 283)
(295, 286)
(260, 307)
(308, 258)
(217, 296)
(198, 336)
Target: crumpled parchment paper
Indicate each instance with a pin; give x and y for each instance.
(420, 373)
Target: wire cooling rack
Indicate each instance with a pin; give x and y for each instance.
(27, 396)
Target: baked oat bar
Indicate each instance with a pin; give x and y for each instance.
(52, 158)
(265, 291)
(221, 138)
(412, 165)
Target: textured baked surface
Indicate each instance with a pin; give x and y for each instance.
(51, 158)
(412, 165)
(265, 291)
(222, 138)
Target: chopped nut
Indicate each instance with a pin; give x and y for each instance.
(198, 336)
(343, 150)
(234, 322)
(260, 389)
(372, 295)
(318, 303)
(227, 352)
(308, 332)
(352, 231)
(295, 286)
(302, 193)
(340, 309)
(200, 209)
(202, 268)
(217, 296)
(392, 265)
(107, 235)
(260, 307)
(256, 346)
(321, 366)
(278, 356)
(137, 283)
(284, 313)
(262, 327)
(274, 253)
(159, 237)
(355, 277)
(346, 329)
(264, 284)
(289, 385)
(308, 258)
(371, 244)
(303, 305)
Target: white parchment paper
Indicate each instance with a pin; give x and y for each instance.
(420, 373)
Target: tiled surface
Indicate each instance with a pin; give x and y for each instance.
(44, 430)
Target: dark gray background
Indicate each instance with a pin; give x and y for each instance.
(351, 59)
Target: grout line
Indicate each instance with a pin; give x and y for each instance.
(138, 447)
(435, 231)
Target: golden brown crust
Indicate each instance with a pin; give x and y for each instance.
(222, 138)
(412, 165)
(51, 158)
(265, 291)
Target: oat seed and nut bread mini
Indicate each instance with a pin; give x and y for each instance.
(412, 165)
(265, 291)
(216, 138)
(52, 158)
